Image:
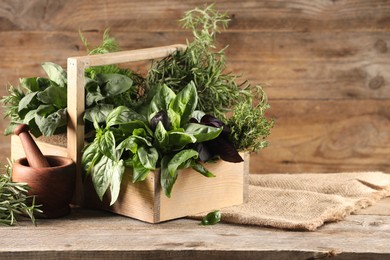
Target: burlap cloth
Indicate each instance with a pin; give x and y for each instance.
(306, 201)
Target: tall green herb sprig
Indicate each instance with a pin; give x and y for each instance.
(11, 106)
(14, 200)
(248, 124)
(201, 63)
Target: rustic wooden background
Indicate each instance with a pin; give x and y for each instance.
(326, 65)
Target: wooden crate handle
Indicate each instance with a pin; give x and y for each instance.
(76, 93)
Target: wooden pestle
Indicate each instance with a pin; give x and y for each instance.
(34, 155)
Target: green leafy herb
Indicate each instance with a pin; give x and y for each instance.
(14, 200)
(202, 64)
(248, 124)
(211, 218)
(145, 143)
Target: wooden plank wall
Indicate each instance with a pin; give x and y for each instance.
(326, 64)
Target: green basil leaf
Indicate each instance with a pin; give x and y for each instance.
(161, 135)
(212, 218)
(185, 102)
(142, 140)
(102, 175)
(129, 144)
(30, 84)
(139, 171)
(203, 133)
(160, 101)
(148, 157)
(55, 73)
(197, 166)
(98, 113)
(122, 115)
(27, 103)
(107, 145)
(128, 128)
(90, 156)
(114, 84)
(167, 180)
(117, 172)
(53, 95)
(197, 114)
(174, 118)
(48, 122)
(93, 93)
(180, 159)
(178, 140)
(45, 83)
(29, 116)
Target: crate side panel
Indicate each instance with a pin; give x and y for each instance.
(136, 200)
(193, 193)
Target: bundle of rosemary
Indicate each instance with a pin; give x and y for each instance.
(14, 201)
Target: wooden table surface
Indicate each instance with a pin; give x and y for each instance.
(90, 234)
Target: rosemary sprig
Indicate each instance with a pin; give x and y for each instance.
(14, 200)
(202, 64)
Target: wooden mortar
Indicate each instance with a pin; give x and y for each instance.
(51, 178)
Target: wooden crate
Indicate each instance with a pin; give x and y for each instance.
(192, 192)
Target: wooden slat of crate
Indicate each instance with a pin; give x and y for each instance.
(192, 193)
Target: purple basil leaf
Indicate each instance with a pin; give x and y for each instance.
(160, 116)
(211, 121)
(224, 149)
(204, 152)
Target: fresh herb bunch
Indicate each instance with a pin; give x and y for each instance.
(165, 138)
(201, 63)
(14, 200)
(41, 102)
(248, 124)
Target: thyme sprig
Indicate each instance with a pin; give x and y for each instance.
(248, 124)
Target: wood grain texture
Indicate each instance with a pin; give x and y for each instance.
(90, 234)
(327, 136)
(323, 52)
(153, 15)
